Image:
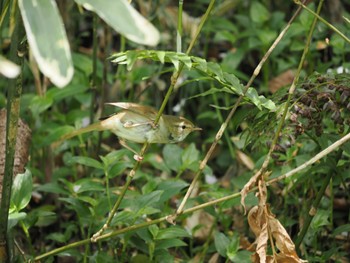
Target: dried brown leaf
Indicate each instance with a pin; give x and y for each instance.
(264, 226)
(283, 79)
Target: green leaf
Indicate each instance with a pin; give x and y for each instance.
(14, 218)
(234, 83)
(172, 156)
(258, 13)
(170, 188)
(87, 161)
(123, 18)
(118, 168)
(168, 243)
(140, 203)
(39, 104)
(189, 156)
(340, 229)
(47, 39)
(320, 219)
(221, 243)
(233, 247)
(201, 64)
(71, 90)
(58, 237)
(215, 70)
(161, 56)
(175, 60)
(229, 81)
(79, 207)
(87, 185)
(172, 232)
(154, 230)
(21, 190)
(53, 187)
(156, 162)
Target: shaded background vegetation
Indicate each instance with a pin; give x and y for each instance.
(76, 184)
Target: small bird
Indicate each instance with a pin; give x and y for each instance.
(135, 123)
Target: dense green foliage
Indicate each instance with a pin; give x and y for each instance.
(67, 191)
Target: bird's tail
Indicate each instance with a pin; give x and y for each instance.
(93, 127)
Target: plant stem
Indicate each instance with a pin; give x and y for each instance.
(326, 151)
(94, 68)
(13, 109)
(322, 19)
(229, 116)
(131, 174)
(179, 28)
(314, 206)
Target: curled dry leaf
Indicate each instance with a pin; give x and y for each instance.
(248, 186)
(264, 226)
(283, 79)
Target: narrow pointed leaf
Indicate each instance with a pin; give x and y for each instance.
(47, 39)
(123, 18)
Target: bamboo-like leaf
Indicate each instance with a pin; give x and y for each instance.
(8, 68)
(123, 18)
(47, 39)
(230, 83)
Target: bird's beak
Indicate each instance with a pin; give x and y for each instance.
(197, 129)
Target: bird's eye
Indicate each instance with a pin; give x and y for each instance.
(183, 127)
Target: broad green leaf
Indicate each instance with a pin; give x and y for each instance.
(258, 13)
(142, 203)
(71, 90)
(253, 96)
(39, 104)
(87, 161)
(215, 70)
(170, 188)
(44, 217)
(21, 190)
(168, 243)
(189, 156)
(172, 156)
(221, 243)
(172, 232)
(47, 39)
(53, 187)
(8, 68)
(233, 247)
(201, 64)
(87, 185)
(118, 168)
(79, 207)
(234, 82)
(154, 230)
(123, 18)
(58, 237)
(320, 219)
(14, 218)
(156, 162)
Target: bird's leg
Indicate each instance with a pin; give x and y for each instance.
(137, 157)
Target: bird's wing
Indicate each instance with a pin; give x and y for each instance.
(136, 108)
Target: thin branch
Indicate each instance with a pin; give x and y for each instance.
(233, 110)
